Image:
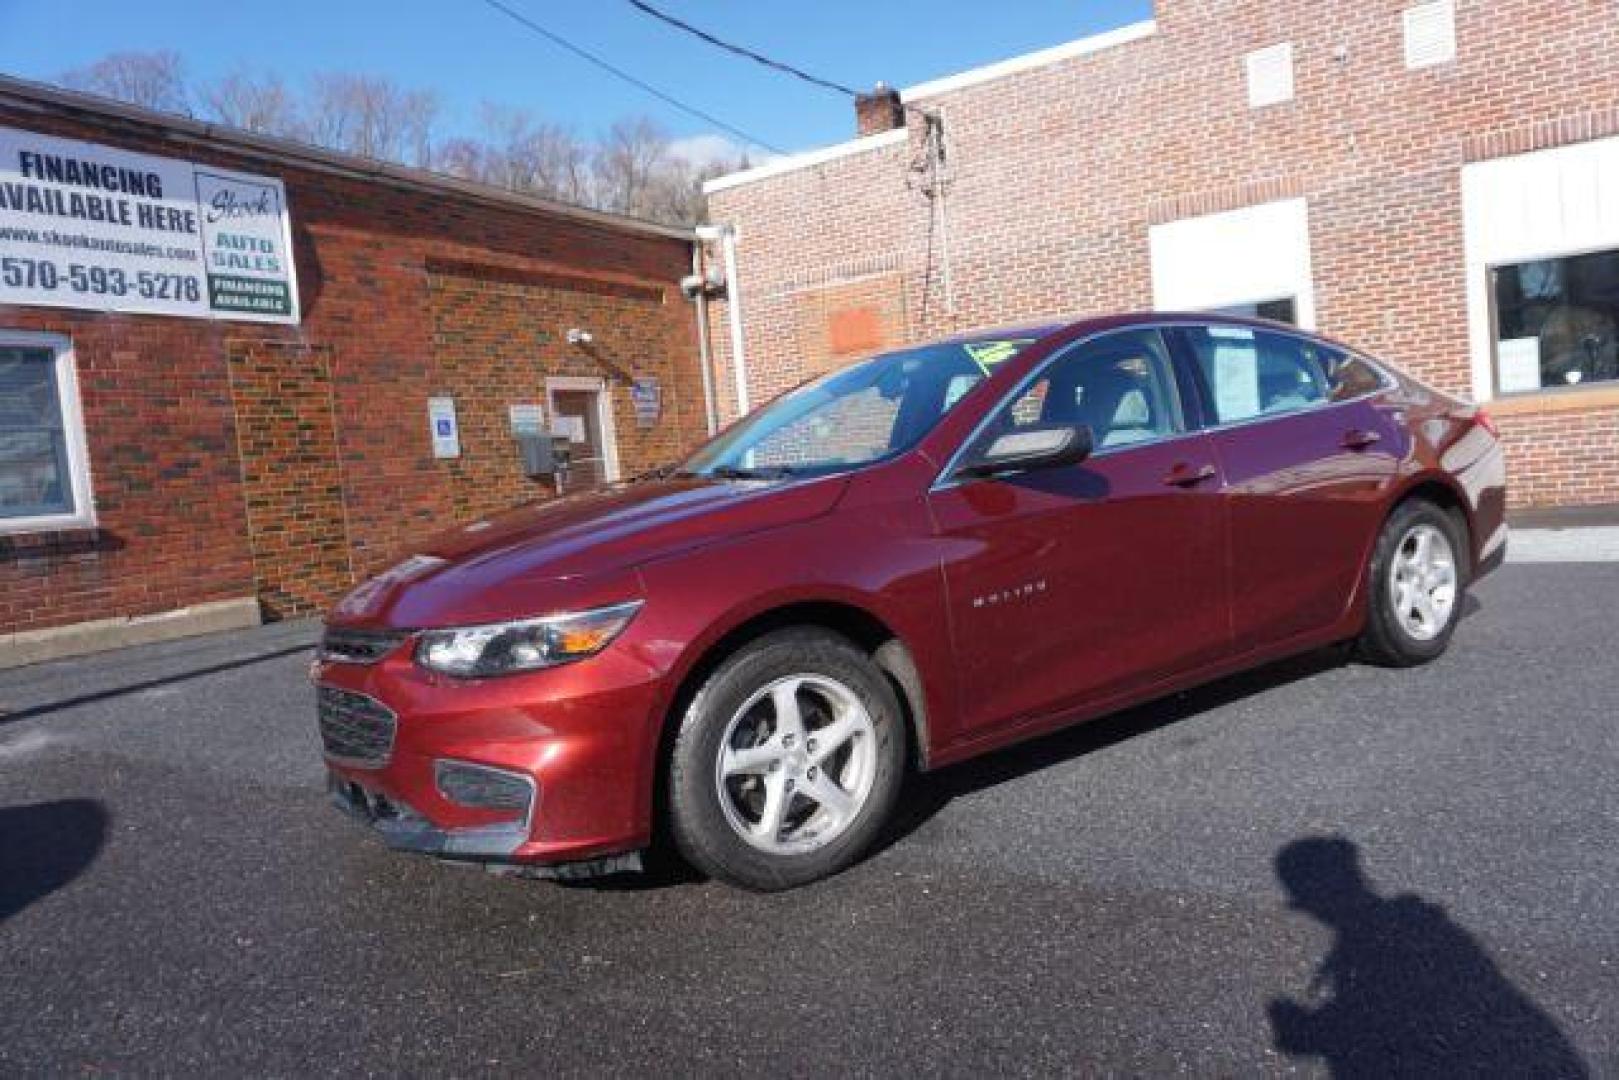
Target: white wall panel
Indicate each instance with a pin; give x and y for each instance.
(1238, 257)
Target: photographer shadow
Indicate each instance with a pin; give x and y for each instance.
(1407, 991)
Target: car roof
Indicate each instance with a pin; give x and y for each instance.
(1077, 327)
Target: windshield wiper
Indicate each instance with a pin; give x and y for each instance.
(737, 472)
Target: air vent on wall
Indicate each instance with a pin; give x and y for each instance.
(1270, 76)
(1430, 34)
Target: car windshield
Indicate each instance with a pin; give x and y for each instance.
(854, 417)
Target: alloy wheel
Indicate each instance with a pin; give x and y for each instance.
(796, 764)
(1423, 582)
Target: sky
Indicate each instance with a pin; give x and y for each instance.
(468, 53)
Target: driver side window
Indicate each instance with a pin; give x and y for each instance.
(1121, 386)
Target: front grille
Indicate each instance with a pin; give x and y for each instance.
(346, 645)
(355, 729)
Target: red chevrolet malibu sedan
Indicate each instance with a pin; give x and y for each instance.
(909, 562)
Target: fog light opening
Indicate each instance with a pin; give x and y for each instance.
(481, 787)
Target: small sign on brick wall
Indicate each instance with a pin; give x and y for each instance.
(526, 419)
(647, 397)
(445, 430)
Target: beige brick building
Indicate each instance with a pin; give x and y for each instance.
(1436, 182)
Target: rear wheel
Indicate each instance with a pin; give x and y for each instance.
(787, 763)
(1417, 586)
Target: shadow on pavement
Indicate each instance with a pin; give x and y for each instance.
(928, 793)
(1404, 991)
(43, 846)
(188, 674)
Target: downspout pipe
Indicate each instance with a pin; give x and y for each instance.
(705, 359)
(726, 235)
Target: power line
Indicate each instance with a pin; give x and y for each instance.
(740, 50)
(592, 58)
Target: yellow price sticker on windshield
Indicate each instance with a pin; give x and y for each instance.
(987, 354)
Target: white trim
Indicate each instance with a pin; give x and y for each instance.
(1028, 61)
(793, 162)
(83, 515)
(604, 415)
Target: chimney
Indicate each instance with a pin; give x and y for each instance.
(878, 111)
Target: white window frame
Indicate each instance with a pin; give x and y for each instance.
(83, 514)
(604, 414)
(1546, 204)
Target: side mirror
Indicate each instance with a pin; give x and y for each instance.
(1046, 446)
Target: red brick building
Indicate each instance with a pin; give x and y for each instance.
(163, 472)
(1436, 181)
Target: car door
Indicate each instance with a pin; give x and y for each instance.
(1074, 584)
(1307, 455)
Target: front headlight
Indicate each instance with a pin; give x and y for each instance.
(525, 645)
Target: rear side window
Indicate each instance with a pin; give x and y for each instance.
(1256, 373)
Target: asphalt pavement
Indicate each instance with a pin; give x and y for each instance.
(1317, 866)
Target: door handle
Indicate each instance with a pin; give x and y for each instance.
(1360, 438)
(1186, 475)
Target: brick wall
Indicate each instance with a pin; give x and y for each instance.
(406, 294)
(1057, 173)
(292, 480)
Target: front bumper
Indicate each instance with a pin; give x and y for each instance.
(583, 736)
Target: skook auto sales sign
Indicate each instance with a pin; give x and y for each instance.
(88, 226)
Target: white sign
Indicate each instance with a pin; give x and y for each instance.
(88, 226)
(571, 428)
(446, 432)
(1519, 359)
(1236, 373)
(526, 419)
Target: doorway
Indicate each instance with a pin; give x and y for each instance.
(581, 410)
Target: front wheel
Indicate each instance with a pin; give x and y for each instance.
(1417, 586)
(787, 763)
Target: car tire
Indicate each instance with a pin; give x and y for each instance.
(1414, 601)
(799, 806)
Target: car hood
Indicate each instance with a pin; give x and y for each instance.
(466, 573)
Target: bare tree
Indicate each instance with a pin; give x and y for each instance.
(526, 154)
(373, 117)
(628, 163)
(152, 80)
(462, 157)
(253, 104)
(635, 168)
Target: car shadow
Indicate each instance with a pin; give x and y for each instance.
(1404, 990)
(44, 846)
(928, 793)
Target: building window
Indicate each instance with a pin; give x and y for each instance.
(1270, 76)
(1284, 310)
(44, 473)
(1430, 34)
(1556, 322)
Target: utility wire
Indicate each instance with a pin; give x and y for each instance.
(742, 51)
(592, 58)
